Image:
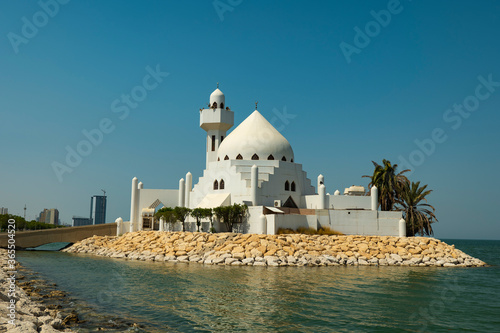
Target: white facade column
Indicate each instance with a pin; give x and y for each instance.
(189, 186)
(254, 184)
(402, 228)
(322, 196)
(374, 195)
(119, 226)
(162, 223)
(321, 181)
(133, 204)
(263, 224)
(182, 189)
(140, 186)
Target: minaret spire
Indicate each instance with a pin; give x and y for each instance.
(256, 105)
(217, 84)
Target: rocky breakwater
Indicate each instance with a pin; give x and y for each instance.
(277, 250)
(26, 315)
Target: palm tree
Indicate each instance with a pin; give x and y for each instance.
(389, 183)
(418, 215)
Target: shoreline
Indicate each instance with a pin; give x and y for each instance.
(277, 250)
(30, 315)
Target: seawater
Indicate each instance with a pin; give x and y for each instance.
(177, 297)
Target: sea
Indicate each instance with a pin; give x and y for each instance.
(118, 295)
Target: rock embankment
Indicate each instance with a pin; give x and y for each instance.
(277, 250)
(28, 315)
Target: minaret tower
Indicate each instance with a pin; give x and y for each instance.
(216, 120)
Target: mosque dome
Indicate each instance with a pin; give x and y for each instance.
(255, 139)
(217, 97)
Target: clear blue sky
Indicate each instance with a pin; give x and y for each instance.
(396, 88)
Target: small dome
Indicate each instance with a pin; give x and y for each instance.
(218, 97)
(255, 139)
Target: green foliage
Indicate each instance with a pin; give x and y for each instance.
(418, 215)
(181, 213)
(231, 214)
(308, 231)
(201, 213)
(389, 183)
(167, 215)
(22, 224)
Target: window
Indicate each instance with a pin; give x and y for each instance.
(216, 185)
(222, 105)
(214, 106)
(218, 158)
(239, 157)
(291, 160)
(221, 138)
(283, 158)
(226, 158)
(213, 142)
(221, 184)
(270, 157)
(287, 186)
(293, 186)
(255, 157)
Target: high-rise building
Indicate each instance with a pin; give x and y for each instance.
(50, 216)
(98, 209)
(4, 211)
(79, 221)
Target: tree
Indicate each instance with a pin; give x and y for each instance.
(389, 183)
(201, 213)
(231, 214)
(418, 215)
(181, 213)
(166, 214)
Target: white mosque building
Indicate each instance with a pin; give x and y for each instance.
(255, 165)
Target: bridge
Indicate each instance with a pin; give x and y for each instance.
(34, 238)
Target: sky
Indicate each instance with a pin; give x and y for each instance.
(94, 93)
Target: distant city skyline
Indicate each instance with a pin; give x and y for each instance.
(100, 92)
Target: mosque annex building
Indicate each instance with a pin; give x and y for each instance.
(255, 165)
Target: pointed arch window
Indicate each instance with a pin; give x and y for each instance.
(222, 105)
(292, 187)
(218, 158)
(216, 185)
(287, 186)
(291, 160)
(226, 158)
(214, 106)
(255, 157)
(221, 184)
(270, 157)
(283, 158)
(239, 157)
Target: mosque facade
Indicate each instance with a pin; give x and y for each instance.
(255, 165)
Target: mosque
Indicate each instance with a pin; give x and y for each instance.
(255, 165)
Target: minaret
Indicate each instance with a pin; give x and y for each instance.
(216, 120)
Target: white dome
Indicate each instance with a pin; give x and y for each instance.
(255, 136)
(218, 97)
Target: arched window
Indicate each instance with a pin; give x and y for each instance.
(218, 158)
(255, 157)
(291, 160)
(293, 186)
(270, 157)
(222, 105)
(283, 158)
(287, 186)
(216, 185)
(221, 187)
(239, 157)
(214, 106)
(226, 158)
